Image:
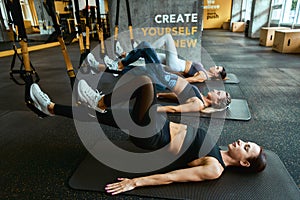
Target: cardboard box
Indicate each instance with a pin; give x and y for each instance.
(238, 27)
(267, 35)
(287, 41)
(226, 25)
(60, 7)
(27, 25)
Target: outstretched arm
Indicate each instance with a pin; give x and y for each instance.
(198, 173)
(198, 77)
(167, 95)
(194, 104)
(195, 79)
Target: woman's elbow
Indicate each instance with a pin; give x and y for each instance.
(215, 174)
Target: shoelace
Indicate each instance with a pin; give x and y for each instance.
(44, 96)
(108, 61)
(119, 49)
(93, 95)
(92, 62)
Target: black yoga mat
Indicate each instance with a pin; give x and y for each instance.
(273, 183)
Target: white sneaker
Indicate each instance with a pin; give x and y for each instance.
(40, 99)
(92, 62)
(135, 44)
(89, 96)
(111, 64)
(119, 49)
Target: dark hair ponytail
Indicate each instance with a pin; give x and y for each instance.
(258, 163)
(223, 73)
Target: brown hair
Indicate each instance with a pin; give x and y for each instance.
(258, 163)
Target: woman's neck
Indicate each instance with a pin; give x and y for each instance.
(209, 74)
(228, 160)
(206, 101)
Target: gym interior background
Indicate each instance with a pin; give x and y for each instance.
(258, 40)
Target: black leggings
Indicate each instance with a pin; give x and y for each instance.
(144, 100)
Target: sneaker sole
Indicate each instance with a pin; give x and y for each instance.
(34, 99)
(38, 105)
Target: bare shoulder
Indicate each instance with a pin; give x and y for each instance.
(213, 168)
(194, 100)
(201, 169)
(207, 160)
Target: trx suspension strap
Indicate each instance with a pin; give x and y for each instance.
(130, 24)
(43, 15)
(87, 29)
(14, 8)
(12, 34)
(116, 34)
(58, 33)
(19, 35)
(79, 31)
(84, 49)
(117, 24)
(100, 30)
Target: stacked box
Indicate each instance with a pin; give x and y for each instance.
(226, 25)
(238, 27)
(27, 25)
(267, 35)
(287, 41)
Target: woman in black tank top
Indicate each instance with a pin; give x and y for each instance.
(192, 164)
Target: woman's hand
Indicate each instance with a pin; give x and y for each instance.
(124, 185)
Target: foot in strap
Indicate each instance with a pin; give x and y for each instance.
(111, 64)
(40, 99)
(119, 50)
(91, 62)
(135, 44)
(89, 96)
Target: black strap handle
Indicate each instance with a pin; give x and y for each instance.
(129, 24)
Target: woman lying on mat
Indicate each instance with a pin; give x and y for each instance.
(193, 71)
(177, 139)
(189, 96)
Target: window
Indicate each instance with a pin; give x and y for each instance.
(3, 14)
(278, 2)
(246, 10)
(285, 12)
(289, 11)
(25, 10)
(276, 13)
(297, 13)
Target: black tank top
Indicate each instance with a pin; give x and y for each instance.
(197, 148)
(193, 146)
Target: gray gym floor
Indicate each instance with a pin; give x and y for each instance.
(38, 156)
